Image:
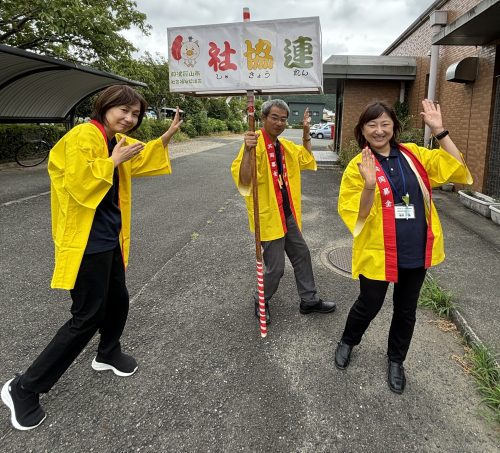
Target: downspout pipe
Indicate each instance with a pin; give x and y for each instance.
(438, 19)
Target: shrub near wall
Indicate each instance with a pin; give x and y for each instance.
(188, 128)
(347, 153)
(236, 126)
(412, 135)
(14, 135)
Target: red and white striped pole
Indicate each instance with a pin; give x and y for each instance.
(255, 195)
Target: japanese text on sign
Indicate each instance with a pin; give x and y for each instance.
(282, 55)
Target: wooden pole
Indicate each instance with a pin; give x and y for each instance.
(255, 196)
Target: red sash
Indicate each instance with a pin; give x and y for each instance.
(101, 128)
(271, 154)
(389, 218)
(389, 223)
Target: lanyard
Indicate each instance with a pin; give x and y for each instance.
(402, 177)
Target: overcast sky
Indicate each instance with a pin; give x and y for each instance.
(349, 27)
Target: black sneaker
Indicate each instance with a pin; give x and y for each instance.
(122, 364)
(26, 412)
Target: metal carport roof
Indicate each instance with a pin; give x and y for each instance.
(39, 89)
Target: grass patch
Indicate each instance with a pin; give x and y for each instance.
(487, 376)
(477, 361)
(432, 296)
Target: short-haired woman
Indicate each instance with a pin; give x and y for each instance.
(386, 202)
(90, 171)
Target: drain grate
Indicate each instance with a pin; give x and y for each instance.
(341, 259)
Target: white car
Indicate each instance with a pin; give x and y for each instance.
(324, 131)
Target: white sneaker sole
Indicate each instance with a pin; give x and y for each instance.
(99, 366)
(7, 399)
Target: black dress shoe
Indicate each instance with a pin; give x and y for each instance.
(396, 377)
(342, 355)
(268, 314)
(321, 307)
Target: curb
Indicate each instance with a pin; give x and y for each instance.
(471, 338)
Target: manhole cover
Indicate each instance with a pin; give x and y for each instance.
(340, 258)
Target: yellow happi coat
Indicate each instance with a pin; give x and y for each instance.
(297, 158)
(81, 173)
(368, 252)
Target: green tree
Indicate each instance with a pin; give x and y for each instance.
(154, 72)
(218, 108)
(192, 105)
(72, 29)
(238, 107)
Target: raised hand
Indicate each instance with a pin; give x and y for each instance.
(432, 115)
(367, 168)
(174, 127)
(306, 122)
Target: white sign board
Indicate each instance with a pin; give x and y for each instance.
(274, 56)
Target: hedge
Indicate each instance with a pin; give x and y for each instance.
(14, 135)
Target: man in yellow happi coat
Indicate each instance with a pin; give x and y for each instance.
(279, 162)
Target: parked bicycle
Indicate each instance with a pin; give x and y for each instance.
(32, 152)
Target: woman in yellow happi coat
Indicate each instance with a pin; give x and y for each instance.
(386, 202)
(90, 171)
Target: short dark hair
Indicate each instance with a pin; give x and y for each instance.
(374, 110)
(118, 95)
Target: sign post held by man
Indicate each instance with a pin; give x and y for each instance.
(255, 196)
(248, 58)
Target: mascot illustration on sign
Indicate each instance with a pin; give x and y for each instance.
(188, 51)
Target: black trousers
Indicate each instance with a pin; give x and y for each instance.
(100, 302)
(370, 300)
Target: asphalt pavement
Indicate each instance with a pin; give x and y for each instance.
(206, 380)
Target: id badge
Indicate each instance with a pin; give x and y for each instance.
(404, 212)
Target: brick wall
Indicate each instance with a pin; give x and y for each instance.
(357, 94)
(467, 108)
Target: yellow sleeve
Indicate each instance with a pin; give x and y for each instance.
(153, 160)
(351, 187)
(261, 157)
(304, 158)
(235, 172)
(441, 166)
(87, 176)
